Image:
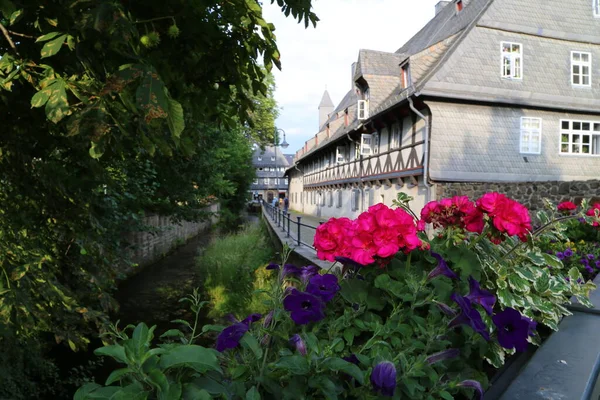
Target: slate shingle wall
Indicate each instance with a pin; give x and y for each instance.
(481, 143)
(475, 67)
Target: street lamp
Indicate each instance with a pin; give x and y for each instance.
(284, 145)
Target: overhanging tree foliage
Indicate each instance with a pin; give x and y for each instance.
(108, 110)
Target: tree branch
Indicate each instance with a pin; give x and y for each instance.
(7, 36)
(22, 35)
(154, 19)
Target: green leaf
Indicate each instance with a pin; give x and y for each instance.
(16, 17)
(53, 46)
(249, 342)
(340, 365)
(552, 261)
(517, 283)
(82, 392)
(506, 298)
(172, 333)
(297, 365)
(196, 357)
(159, 380)
(114, 350)
(7, 7)
(116, 375)
(140, 340)
(47, 36)
(445, 395)
(252, 394)
(574, 274)
(175, 118)
(193, 392)
(542, 283)
(57, 106)
(151, 99)
(96, 150)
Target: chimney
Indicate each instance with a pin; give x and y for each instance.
(353, 67)
(440, 6)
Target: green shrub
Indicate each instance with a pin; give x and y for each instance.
(228, 269)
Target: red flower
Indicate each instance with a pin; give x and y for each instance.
(592, 212)
(331, 238)
(459, 212)
(507, 215)
(566, 206)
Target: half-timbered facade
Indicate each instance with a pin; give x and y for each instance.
(489, 91)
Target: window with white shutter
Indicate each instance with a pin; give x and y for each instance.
(531, 135)
(340, 154)
(365, 144)
(363, 109)
(512, 60)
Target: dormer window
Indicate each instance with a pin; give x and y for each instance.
(512, 60)
(259, 158)
(459, 6)
(405, 71)
(272, 158)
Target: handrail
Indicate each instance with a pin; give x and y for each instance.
(283, 220)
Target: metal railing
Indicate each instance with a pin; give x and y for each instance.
(292, 228)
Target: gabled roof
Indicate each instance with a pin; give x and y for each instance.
(373, 62)
(326, 100)
(446, 23)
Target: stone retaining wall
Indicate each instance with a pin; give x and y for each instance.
(528, 193)
(146, 248)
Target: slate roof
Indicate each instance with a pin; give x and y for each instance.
(283, 160)
(425, 51)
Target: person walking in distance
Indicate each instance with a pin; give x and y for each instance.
(286, 205)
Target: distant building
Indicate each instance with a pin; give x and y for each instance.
(270, 167)
(499, 95)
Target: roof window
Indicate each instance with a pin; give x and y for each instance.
(459, 6)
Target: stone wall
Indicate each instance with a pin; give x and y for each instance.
(148, 247)
(528, 193)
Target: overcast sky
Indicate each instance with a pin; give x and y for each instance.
(315, 58)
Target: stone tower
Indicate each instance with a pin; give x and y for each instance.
(325, 108)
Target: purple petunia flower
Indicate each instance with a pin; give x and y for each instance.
(348, 261)
(568, 252)
(273, 266)
(351, 359)
(481, 296)
(589, 269)
(268, 319)
(308, 272)
(473, 385)
(591, 256)
(230, 337)
(290, 269)
(513, 329)
(442, 268)
(468, 316)
(383, 378)
(323, 286)
(584, 261)
(303, 307)
(598, 264)
(442, 355)
(446, 309)
(251, 318)
(299, 344)
(560, 255)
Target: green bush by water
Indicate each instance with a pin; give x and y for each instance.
(231, 268)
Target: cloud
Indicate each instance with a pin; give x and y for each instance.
(315, 59)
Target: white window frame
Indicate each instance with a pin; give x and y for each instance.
(330, 198)
(266, 181)
(513, 57)
(259, 158)
(527, 134)
(395, 136)
(363, 109)
(255, 182)
(596, 8)
(339, 199)
(575, 137)
(272, 158)
(354, 200)
(581, 65)
(366, 144)
(339, 154)
(375, 143)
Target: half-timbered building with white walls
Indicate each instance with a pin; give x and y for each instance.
(490, 95)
